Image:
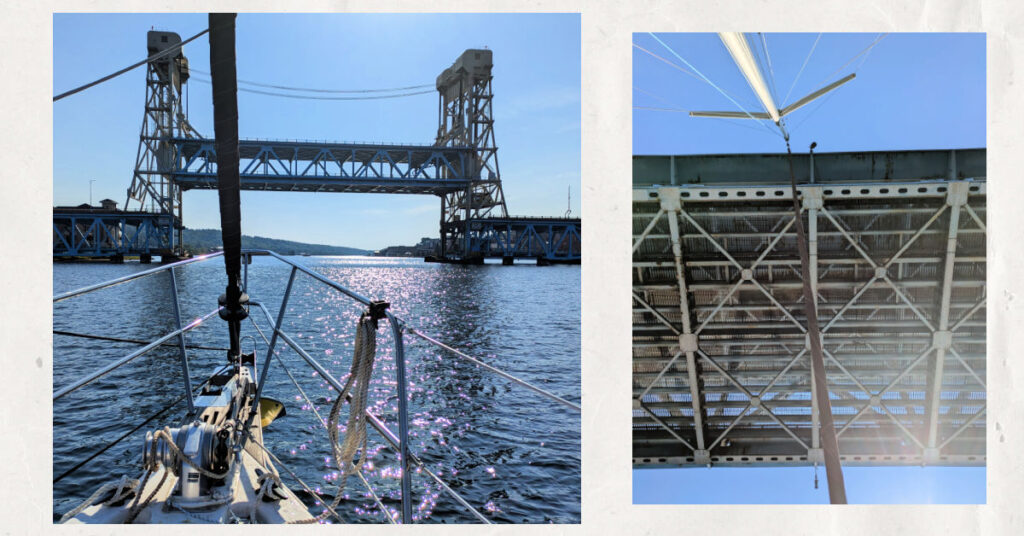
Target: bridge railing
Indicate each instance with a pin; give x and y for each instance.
(399, 442)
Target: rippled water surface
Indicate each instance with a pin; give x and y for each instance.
(511, 454)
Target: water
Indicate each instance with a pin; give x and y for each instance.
(512, 454)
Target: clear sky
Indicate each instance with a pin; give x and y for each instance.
(536, 108)
(786, 485)
(912, 91)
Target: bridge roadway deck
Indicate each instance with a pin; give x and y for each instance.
(314, 166)
(721, 373)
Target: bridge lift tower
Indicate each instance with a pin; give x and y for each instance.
(465, 120)
(152, 188)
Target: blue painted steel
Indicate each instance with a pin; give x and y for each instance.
(327, 167)
(553, 239)
(109, 234)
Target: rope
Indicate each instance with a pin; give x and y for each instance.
(322, 422)
(179, 455)
(296, 477)
(139, 507)
(355, 429)
(129, 433)
(152, 466)
(124, 487)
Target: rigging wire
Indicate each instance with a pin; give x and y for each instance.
(132, 341)
(673, 65)
(738, 123)
(319, 90)
(674, 53)
(152, 58)
(653, 109)
(868, 49)
(801, 71)
(313, 97)
(826, 99)
(771, 70)
(662, 99)
(94, 455)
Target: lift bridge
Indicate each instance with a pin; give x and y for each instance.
(460, 168)
(721, 367)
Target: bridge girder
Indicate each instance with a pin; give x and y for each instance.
(720, 368)
(327, 167)
(111, 234)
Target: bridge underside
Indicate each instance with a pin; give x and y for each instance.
(327, 167)
(721, 369)
(96, 234)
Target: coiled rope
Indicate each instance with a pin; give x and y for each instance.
(322, 422)
(358, 385)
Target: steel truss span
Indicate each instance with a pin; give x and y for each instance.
(550, 239)
(721, 367)
(113, 234)
(327, 167)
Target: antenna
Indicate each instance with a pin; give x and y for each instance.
(568, 204)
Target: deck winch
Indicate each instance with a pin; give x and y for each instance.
(205, 445)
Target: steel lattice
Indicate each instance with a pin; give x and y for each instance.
(721, 373)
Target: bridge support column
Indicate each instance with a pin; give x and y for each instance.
(507, 261)
(145, 258)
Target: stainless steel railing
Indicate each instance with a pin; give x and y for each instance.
(398, 442)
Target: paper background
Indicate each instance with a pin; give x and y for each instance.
(25, 289)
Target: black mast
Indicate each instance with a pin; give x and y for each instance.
(225, 125)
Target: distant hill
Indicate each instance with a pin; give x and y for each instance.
(204, 240)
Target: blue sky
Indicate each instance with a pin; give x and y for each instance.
(788, 485)
(912, 91)
(536, 107)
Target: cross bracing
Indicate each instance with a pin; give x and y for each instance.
(721, 371)
(551, 239)
(110, 234)
(327, 167)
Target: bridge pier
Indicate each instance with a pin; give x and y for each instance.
(507, 260)
(167, 258)
(117, 259)
(145, 258)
